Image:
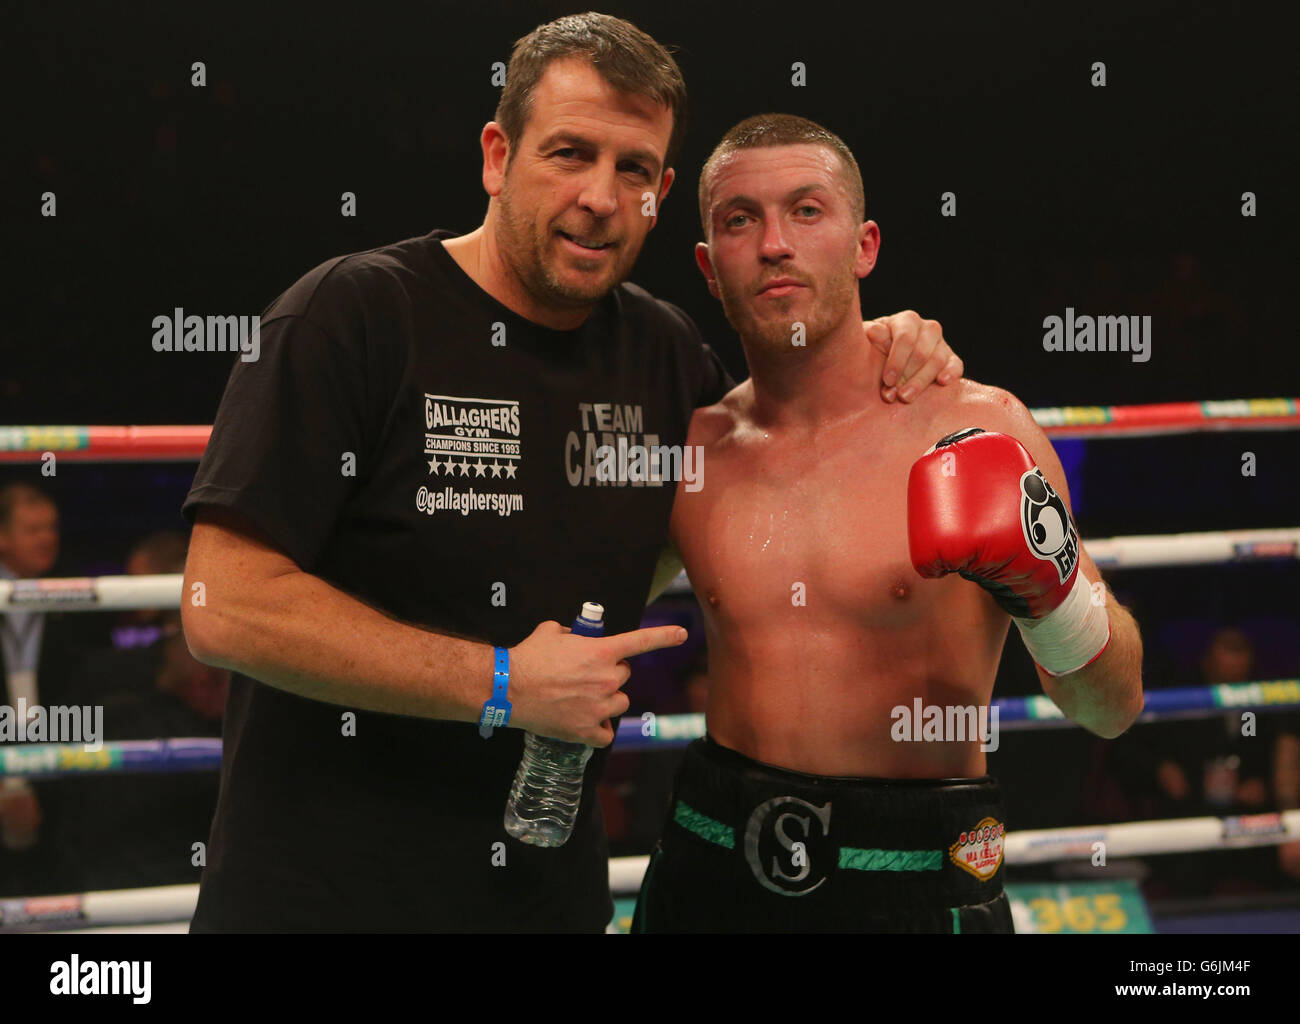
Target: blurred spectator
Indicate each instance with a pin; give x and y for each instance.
(39, 652)
(136, 830)
(139, 830)
(29, 546)
(1215, 766)
(160, 553)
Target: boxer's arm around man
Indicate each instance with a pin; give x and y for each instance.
(263, 616)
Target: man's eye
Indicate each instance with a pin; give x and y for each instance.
(731, 221)
(567, 152)
(815, 209)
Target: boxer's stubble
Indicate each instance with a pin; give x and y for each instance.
(766, 325)
(822, 255)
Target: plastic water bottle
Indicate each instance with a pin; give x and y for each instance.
(544, 799)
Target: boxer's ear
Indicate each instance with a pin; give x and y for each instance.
(706, 268)
(868, 248)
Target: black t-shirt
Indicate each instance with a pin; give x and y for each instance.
(475, 508)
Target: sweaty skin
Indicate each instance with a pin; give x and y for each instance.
(823, 512)
(796, 544)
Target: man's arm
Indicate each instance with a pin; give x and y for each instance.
(265, 617)
(1104, 697)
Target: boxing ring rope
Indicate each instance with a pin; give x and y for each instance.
(116, 757)
(92, 593)
(114, 908)
(184, 443)
(1168, 418)
(167, 905)
(659, 732)
(175, 903)
(112, 593)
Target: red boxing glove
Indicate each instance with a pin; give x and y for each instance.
(978, 506)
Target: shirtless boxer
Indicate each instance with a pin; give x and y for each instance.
(806, 808)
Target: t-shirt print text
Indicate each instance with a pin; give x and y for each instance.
(613, 449)
(467, 440)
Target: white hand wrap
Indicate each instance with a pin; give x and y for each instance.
(1071, 636)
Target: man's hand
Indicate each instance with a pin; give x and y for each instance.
(569, 687)
(917, 354)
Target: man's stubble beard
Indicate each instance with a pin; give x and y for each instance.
(526, 252)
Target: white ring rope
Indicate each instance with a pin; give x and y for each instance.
(91, 593)
(172, 903)
(1144, 838)
(110, 593)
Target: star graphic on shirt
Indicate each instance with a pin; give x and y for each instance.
(464, 469)
(480, 468)
(510, 470)
(496, 470)
(434, 464)
(451, 465)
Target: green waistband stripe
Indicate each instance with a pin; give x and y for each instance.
(704, 826)
(956, 920)
(850, 858)
(890, 860)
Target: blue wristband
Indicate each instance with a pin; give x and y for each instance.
(496, 709)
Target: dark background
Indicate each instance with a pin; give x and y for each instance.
(1123, 200)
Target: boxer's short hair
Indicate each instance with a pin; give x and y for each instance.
(781, 130)
(624, 56)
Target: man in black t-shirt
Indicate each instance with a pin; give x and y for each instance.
(429, 458)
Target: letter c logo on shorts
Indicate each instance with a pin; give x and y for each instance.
(789, 842)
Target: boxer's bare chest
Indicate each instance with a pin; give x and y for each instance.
(814, 520)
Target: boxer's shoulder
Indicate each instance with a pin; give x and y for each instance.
(977, 405)
(711, 423)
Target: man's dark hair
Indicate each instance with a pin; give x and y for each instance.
(781, 130)
(13, 495)
(624, 56)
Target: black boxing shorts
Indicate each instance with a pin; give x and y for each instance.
(749, 847)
